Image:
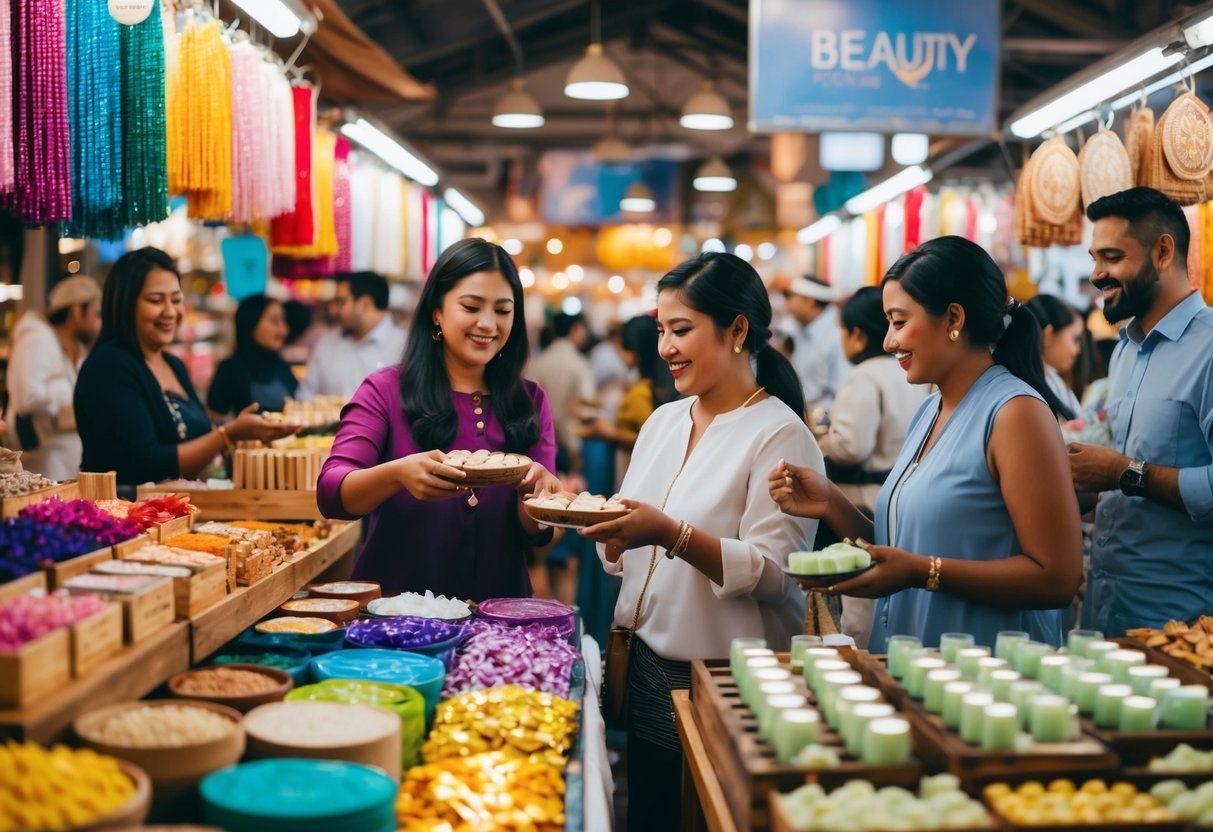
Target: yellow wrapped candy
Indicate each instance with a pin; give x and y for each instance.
(533, 724)
(57, 788)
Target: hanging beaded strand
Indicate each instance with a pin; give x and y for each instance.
(144, 147)
(200, 122)
(341, 206)
(8, 166)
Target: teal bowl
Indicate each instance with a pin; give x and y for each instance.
(312, 643)
(295, 662)
(424, 674)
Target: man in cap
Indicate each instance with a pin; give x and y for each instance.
(46, 356)
(818, 356)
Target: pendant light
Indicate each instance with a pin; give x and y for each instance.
(638, 199)
(518, 109)
(715, 177)
(595, 77)
(706, 110)
(610, 149)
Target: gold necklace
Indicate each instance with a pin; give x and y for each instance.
(746, 403)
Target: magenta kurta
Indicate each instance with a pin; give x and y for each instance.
(447, 546)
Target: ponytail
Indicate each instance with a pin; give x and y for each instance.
(776, 374)
(1018, 349)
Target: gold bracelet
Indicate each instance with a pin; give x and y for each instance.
(934, 574)
(227, 442)
(680, 545)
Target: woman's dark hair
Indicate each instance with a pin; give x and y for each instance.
(864, 311)
(298, 319)
(248, 315)
(121, 294)
(950, 270)
(639, 336)
(1052, 311)
(425, 388)
(723, 286)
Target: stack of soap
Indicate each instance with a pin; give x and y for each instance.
(840, 557)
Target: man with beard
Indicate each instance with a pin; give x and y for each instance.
(1152, 552)
(47, 355)
(368, 339)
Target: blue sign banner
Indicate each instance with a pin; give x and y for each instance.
(885, 66)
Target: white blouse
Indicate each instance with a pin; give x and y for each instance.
(722, 491)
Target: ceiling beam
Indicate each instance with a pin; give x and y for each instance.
(1076, 19)
(1065, 46)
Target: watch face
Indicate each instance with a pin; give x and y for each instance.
(1133, 479)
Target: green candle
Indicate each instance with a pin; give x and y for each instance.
(932, 689)
(1099, 652)
(1077, 641)
(765, 691)
(950, 643)
(886, 742)
(1159, 688)
(775, 705)
(1052, 718)
(967, 659)
(831, 683)
(972, 715)
(749, 692)
(1185, 708)
(1108, 702)
(1120, 662)
(795, 729)
(845, 701)
(799, 645)
(811, 656)
(1086, 690)
(1005, 642)
(1000, 727)
(1022, 693)
(749, 666)
(737, 648)
(953, 695)
(1137, 713)
(1069, 676)
(916, 676)
(858, 721)
(1000, 684)
(1051, 669)
(1141, 677)
(821, 668)
(898, 649)
(986, 668)
(1027, 657)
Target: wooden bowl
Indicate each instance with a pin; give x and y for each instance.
(565, 519)
(134, 811)
(493, 476)
(283, 683)
(186, 763)
(361, 591)
(336, 610)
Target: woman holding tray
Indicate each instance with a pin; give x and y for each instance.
(460, 386)
(703, 548)
(977, 524)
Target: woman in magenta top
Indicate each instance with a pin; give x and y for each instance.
(460, 387)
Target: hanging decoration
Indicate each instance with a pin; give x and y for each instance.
(42, 149)
(250, 135)
(8, 172)
(341, 206)
(316, 258)
(297, 227)
(200, 122)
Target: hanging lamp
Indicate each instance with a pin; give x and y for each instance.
(714, 176)
(595, 77)
(611, 149)
(518, 109)
(638, 199)
(706, 110)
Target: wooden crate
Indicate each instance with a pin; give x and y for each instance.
(943, 750)
(96, 487)
(95, 639)
(124, 548)
(246, 503)
(10, 506)
(57, 573)
(781, 823)
(199, 592)
(149, 611)
(22, 585)
(178, 525)
(40, 667)
(747, 766)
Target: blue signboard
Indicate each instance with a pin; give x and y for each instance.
(886, 66)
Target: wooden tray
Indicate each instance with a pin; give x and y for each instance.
(37, 669)
(492, 476)
(10, 506)
(565, 519)
(747, 767)
(1180, 669)
(781, 823)
(1170, 826)
(1145, 779)
(943, 750)
(245, 503)
(57, 573)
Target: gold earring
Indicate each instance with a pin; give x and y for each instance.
(437, 333)
(953, 335)
(737, 348)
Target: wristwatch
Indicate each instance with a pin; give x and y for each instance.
(1133, 479)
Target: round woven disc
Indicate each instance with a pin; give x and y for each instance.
(1055, 185)
(1187, 139)
(1104, 167)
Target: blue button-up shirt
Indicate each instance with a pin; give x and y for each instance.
(1151, 562)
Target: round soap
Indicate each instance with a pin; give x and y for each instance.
(274, 795)
(397, 667)
(327, 731)
(403, 700)
(519, 611)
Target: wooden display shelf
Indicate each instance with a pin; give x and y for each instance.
(244, 503)
(134, 672)
(705, 802)
(10, 506)
(748, 767)
(224, 621)
(941, 749)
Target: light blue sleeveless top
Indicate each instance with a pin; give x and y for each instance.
(949, 506)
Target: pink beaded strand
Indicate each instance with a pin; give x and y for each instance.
(8, 172)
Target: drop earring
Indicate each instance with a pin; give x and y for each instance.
(437, 333)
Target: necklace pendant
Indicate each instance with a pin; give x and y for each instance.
(473, 500)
